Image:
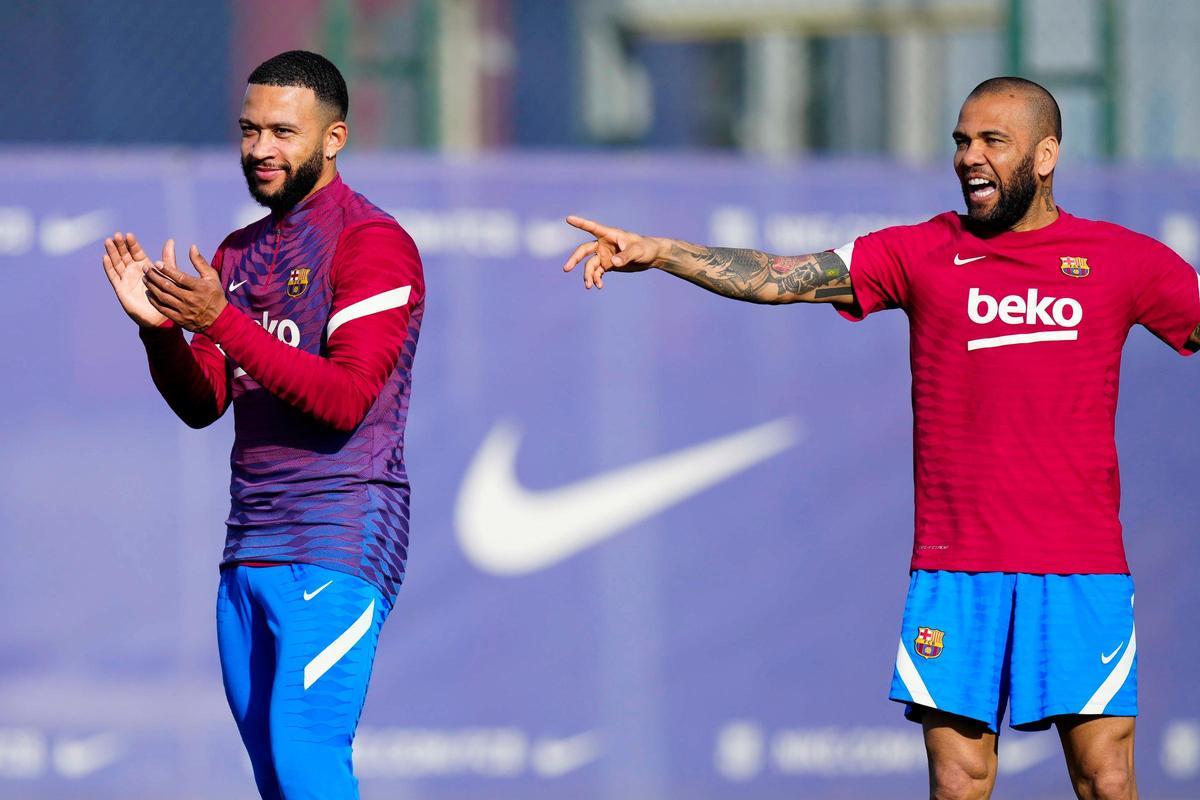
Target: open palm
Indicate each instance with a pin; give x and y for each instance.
(125, 262)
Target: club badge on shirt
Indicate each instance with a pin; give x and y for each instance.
(298, 282)
(1075, 267)
(928, 643)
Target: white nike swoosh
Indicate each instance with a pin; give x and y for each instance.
(1104, 659)
(308, 596)
(233, 287)
(505, 529)
(552, 758)
(62, 235)
(79, 758)
(960, 261)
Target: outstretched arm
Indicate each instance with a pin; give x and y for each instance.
(759, 277)
(748, 275)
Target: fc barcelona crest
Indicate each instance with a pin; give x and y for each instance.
(1075, 267)
(297, 282)
(928, 643)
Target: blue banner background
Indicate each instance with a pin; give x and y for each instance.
(737, 644)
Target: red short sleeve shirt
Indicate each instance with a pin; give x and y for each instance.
(1016, 346)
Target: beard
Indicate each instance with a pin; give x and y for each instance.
(297, 182)
(1015, 196)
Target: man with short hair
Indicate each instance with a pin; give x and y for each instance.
(1020, 594)
(306, 322)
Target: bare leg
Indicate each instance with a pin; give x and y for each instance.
(1099, 753)
(962, 757)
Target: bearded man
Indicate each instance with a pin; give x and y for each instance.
(1020, 595)
(306, 322)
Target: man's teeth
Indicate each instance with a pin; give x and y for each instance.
(981, 188)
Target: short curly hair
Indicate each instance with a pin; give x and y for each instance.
(307, 70)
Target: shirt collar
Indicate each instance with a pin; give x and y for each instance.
(317, 202)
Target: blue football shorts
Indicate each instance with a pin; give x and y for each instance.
(297, 643)
(1045, 645)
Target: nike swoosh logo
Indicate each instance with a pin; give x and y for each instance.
(1104, 659)
(506, 529)
(62, 235)
(552, 758)
(233, 287)
(308, 596)
(78, 758)
(960, 261)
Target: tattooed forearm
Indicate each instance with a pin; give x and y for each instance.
(825, 273)
(1193, 342)
(739, 267)
(760, 277)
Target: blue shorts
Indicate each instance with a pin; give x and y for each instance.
(297, 643)
(1048, 645)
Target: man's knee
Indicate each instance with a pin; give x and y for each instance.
(1110, 782)
(961, 779)
(962, 757)
(1099, 754)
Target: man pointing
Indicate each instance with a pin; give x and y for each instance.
(1020, 595)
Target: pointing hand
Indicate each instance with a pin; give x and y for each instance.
(612, 250)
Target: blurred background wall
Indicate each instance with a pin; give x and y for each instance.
(738, 642)
(778, 77)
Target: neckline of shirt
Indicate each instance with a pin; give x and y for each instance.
(1023, 237)
(326, 196)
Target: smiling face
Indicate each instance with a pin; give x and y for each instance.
(1003, 163)
(289, 141)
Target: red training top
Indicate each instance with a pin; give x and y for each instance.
(315, 352)
(1016, 352)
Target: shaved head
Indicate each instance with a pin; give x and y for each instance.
(1006, 148)
(1044, 117)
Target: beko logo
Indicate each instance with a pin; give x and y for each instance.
(284, 330)
(1028, 310)
(1013, 309)
(287, 331)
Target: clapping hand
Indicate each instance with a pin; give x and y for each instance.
(125, 264)
(192, 302)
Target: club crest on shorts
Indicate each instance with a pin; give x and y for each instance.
(297, 282)
(1075, 267)
(928, 643)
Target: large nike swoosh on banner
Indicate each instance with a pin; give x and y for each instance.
(506, 529)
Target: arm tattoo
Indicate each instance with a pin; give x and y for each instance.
(761, 277)
(1193, 342)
